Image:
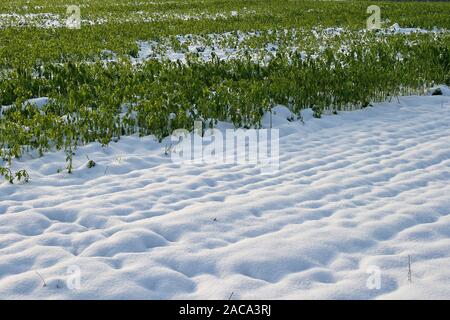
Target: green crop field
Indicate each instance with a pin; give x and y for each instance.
(149, 67)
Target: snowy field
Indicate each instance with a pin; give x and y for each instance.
(356, 192)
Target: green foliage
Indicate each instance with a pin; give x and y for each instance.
(117, 25)
(22, 175)
(91, 164)
(7, 174)
(91, 99)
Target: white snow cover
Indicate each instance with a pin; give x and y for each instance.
(355, 190)
(195, 44)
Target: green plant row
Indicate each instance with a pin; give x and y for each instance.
(119, 24)
(103, 101)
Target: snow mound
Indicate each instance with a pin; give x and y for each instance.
(356, 192)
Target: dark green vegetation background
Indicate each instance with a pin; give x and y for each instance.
(22, 46)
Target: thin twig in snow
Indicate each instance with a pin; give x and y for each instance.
(42, 278)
